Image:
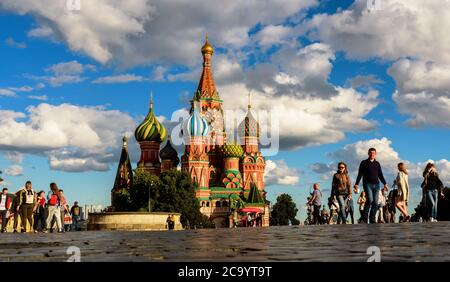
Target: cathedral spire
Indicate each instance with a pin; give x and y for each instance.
(206, 87)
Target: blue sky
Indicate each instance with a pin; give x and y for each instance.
(64, 59)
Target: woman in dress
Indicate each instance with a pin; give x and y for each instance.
(401, 201)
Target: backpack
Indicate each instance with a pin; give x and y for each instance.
(53, 200)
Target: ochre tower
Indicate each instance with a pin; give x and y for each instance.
(150, 134)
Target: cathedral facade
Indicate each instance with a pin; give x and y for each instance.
(229, 173)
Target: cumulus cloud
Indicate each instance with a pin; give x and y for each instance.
(421, 58)
(309, 110)
(14, 170)
(278, 172)
(74, 138)
(38, 97)
(12, 43)
(121, 78)
(143, 32)
(362, 33)
(63, 73)
(364, 81)
(7, 93)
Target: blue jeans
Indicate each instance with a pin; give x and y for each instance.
(371, 205)
(350, 210)
(432, 201)
(342, 218)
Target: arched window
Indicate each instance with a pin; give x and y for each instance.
(218, 204)
(207, 204)
(203, 203)
(224, 204)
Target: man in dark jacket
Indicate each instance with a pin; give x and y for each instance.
(371, 174)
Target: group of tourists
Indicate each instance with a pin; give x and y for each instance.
(376, 204)
(39, 211)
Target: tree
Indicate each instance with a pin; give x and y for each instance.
(171, 191)
(121, 201)
(283, 211)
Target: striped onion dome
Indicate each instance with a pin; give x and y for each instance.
(231, 151)
(196, 125)
(150, 129)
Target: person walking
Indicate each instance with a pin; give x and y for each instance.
(5, 206)
(39, 214)
(402, 197)
(27, 202)
(432, 187)
(75, 212)
(361, 204)
(349, 210)
(15, 210)
(316, 201)
(53, 208)
(371, 174)
(341, 190)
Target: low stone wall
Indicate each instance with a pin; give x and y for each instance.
(131, 221)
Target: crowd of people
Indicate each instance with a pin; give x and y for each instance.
(376, 203)
(38, 211)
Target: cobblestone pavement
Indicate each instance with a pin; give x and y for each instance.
(397, 242)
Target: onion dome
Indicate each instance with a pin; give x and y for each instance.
(207, 48)
(249, 126)
(231, 151)
(196, 125)
(150, 129)
(169, 153)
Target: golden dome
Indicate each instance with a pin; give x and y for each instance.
(207, 48)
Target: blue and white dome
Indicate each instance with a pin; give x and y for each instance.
(196, 125)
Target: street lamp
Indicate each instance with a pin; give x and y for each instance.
(149, 199)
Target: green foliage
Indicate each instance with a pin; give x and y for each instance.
(121, 201)
(283, 211)
(172, 191)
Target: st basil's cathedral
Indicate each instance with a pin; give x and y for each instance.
(229, 174)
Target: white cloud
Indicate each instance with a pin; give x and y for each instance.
(38, 97)
(142, 32)
(14, 157)
(122, 78)
(7, 92)
(278, 172)
(310, 110)
(12, 43)
(63, 73)
(74, 138)
(43, 31)
(14, 170)
(400, 28)
(416, 39)
(273, 35)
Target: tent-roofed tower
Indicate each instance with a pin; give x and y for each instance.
(124, 175)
